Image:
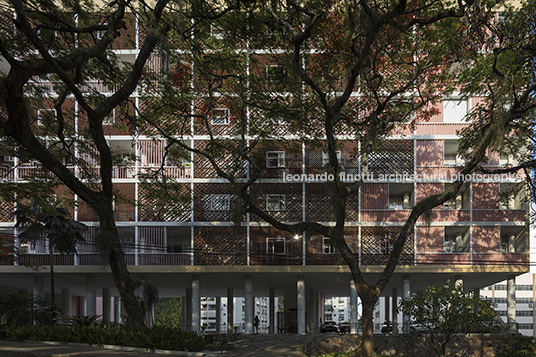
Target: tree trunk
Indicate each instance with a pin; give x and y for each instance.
(116, 259)
(366, 349)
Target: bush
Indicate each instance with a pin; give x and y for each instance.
(516, 346)
(158, 337)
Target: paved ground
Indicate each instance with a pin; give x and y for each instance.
(262, 345)
(265, 345)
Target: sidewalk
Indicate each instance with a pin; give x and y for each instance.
(262, 345)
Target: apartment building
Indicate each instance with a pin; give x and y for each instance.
(337, 309)
(189, 244)
(525, 298)
(214, 314)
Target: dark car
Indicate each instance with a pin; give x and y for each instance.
(330, 326)
(344, 327)
(387, 327)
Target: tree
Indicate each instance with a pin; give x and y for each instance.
(43, 219)
(447, 311)
(20, 308)
(167, 312)
(375, 68)
(69, 44)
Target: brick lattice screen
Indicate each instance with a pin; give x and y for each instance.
(220, 245)
(377, 244)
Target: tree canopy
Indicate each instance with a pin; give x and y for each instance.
(320, 74)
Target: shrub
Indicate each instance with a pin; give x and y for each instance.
(516, 346)
(158, 337)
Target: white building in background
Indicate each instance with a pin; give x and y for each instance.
(525, 295)
(337, 309)
(383, 311)
(209, 314)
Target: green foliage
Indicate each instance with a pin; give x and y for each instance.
(90, 320)
(516, 346)
(46, 218)
(448, 310)
(167, 312)
(22, 308)
(154, 338)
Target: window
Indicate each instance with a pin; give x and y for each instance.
(513, 240)
(109, 119)
(46, 116)
(325, 158)
(8, 159)
(217, 31)
(400, 196)
(220, 116)
(100, 33)
(275, 202)
(220, 202)
(454, 111)
(327, 247)
(456, 240)
(275, 159)
(460, 201)
(27, 247)
(275, 73)
(512, 196)
(275, 245)
(450, 152)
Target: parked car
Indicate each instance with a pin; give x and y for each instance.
(330, 326)
(344, 327)
(387, 327)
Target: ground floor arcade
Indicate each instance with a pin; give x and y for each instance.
(86, 290)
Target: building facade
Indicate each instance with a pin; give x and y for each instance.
(188, 244)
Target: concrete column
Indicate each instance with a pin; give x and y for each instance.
(149, 312)
(196, 304)
(394, 301)
(248, 305)
(65, 304)
(353, 308)
(317, 311)
(406, 295)
(82, 305)
(218, 314)
(458, 280)
(386, 308)
(117, 309)
(271, 311)
(309, 309)
(91, 296)
(106, 305)
(230, 310)
(511, 302)
(188, 310)
(38, 287)
(301, 304)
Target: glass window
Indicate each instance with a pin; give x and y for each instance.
(454, 111)
(220, 202)
(46, 116)
(327, 247)
(275, 245)
(275, 202)
(275, 159)
(220, 116)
